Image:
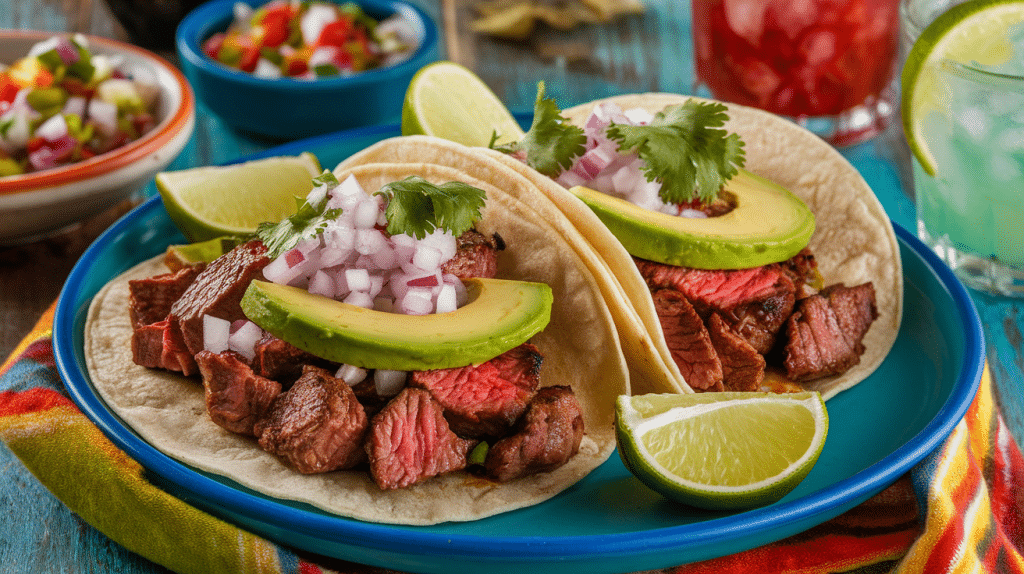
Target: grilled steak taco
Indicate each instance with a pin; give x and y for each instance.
(230, 367)
(814, 302)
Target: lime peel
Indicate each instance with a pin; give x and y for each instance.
(744, 489)
(469, 115)
(214, 201)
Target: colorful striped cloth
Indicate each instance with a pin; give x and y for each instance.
(959, 510)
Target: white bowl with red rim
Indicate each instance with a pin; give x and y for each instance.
(41, 203)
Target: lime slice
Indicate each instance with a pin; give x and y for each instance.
(449, 101)
(975, 31)
(213, 201)
(721, 450)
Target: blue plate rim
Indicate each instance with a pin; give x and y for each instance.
(520, 548)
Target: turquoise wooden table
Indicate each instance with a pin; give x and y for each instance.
(651, 52)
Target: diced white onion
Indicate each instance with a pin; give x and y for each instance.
(350, 374)
(357, 280)
(447, 299)
(243, 339)
(389, 383)
(216, 332)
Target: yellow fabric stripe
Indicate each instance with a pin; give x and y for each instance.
(106, 488)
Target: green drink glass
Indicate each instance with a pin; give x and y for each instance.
(969, 148)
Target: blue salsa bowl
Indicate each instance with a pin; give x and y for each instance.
(285, 108)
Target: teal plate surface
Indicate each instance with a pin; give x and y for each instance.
(609, 521)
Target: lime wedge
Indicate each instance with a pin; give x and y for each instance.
(721, 450)
(213, 201)
(975, 31)
(449, 101)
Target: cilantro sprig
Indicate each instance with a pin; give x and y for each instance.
(552, 143)
(685, 149)
(417, 207)
(308, 222)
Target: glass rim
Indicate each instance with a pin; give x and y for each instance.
(971, 72)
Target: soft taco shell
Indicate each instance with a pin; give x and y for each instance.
(651, 367)
(853, 241)
(580, 346)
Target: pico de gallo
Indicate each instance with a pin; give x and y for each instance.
(61, 104)
(309, 40)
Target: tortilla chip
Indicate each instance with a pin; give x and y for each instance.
(580, 345)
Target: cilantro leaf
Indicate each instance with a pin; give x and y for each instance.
(416, 207)
(552, 142)
(685, 149)
(308, 222)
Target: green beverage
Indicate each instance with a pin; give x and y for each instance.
(975, 201)
(967, 129)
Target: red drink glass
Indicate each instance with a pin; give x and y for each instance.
(827, 64)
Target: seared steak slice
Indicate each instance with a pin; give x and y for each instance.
(753, 302)
(217, 291)
(409, 441)
(159, 346)
(485, 400)
(317, 425)
(150, 299)
(548, 435)
(802, 269)
(826, 330)
(688, 340)
(235, 396)
(279, 360)
(476, 255)
(742, 365)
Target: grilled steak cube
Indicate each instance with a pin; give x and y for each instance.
(217, 291)
(476, 255)
(159, 346)
(742, 365)
(279, 360)
(316, 426)
(802, 269)
(410, 441)
(235, 396)
(755, 302)
(150, 299)
(547, 436)
(826, 330)
(688, 340)
(485, 400)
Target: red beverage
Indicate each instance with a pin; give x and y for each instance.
(797, 58)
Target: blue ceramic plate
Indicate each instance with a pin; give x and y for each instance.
(609, 521)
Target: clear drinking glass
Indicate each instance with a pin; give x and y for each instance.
(827, 64)
(971, 209)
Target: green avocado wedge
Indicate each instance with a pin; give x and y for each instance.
(500, 315)
(767, 225)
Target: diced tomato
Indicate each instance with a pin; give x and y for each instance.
(34, 143)
(275, 28)
(8, 90)
(250, 55)
(296, 66)
(336, 33)
(213, 45)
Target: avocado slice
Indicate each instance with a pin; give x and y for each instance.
(768, 224)
(500, 315)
